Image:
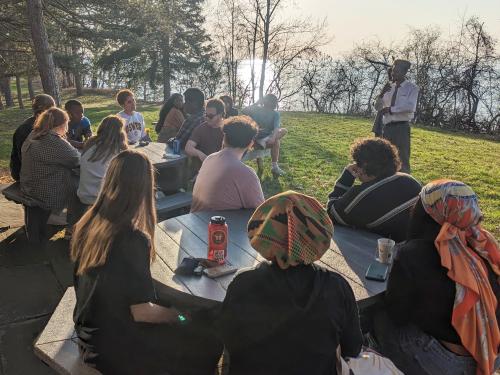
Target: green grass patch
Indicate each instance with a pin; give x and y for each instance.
(316, 150)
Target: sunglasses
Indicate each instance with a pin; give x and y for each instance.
(210, 116)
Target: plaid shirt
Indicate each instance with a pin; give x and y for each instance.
(46, 171)
(191, 123)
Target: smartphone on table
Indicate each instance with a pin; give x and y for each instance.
(219, 271)
(377, 271)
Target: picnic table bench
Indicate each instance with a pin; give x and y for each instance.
(350, 253)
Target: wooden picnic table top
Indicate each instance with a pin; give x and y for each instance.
(350, 254)
(155, 151)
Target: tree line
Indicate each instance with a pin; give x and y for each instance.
(244, 48)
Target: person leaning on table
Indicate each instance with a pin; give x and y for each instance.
(288, 315)
(442, 295)
(122, 326)
(382, 202)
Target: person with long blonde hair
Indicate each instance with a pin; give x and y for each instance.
(97, 153)
(121, 325)
(46, 172)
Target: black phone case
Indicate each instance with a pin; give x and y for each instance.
(377, 271)
(187, 266)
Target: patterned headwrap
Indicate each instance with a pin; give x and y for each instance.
(464, 247)
(290, 229)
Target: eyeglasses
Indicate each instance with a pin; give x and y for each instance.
(210, 116)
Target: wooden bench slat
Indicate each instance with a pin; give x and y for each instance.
(64, 357)
(173, 202)
(60, 327)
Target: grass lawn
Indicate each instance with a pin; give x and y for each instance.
(317, 148)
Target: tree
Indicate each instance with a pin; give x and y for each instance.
(19, 92)
(44, 58)
(7, 93)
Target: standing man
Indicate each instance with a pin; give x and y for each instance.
(207, 138)
(378, 124)
(194, 106)
(266, 116)
(398, 107)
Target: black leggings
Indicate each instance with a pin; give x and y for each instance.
(35, 221)
(177, 349)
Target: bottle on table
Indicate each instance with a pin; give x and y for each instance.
(217, 239)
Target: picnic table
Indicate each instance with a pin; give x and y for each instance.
(171, 173)
(350, 254)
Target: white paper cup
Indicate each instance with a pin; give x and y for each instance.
(385, 246)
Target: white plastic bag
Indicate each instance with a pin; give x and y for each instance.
(366, 363)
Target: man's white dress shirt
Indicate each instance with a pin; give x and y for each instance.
(404, 105)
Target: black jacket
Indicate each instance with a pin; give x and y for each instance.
(18, 139)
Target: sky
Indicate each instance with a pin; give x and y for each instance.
(354, 21)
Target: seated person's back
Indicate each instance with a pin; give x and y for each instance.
(382, 202)
(96, 156)
(224, 182)
(289, 317)
(48, 160)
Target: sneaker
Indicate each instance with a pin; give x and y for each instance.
(277, 171)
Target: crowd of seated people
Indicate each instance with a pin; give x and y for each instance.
(439, 314)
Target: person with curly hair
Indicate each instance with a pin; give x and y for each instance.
(382, 201)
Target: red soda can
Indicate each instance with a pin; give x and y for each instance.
(217, 239)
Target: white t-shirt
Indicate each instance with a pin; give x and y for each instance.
(91, 176)
(134, 126)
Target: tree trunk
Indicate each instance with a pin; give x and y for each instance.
(254, 55)
(64, 79)
(69, 80)
(30, 87)
(166, 68)
(265, 50)
(5, 88)
(19, 92)
(41, 46)
(1, 103)
(78, 83)
(77, 74)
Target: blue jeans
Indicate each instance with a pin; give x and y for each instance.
(416, 353)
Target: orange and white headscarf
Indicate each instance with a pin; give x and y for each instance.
(464, 247)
